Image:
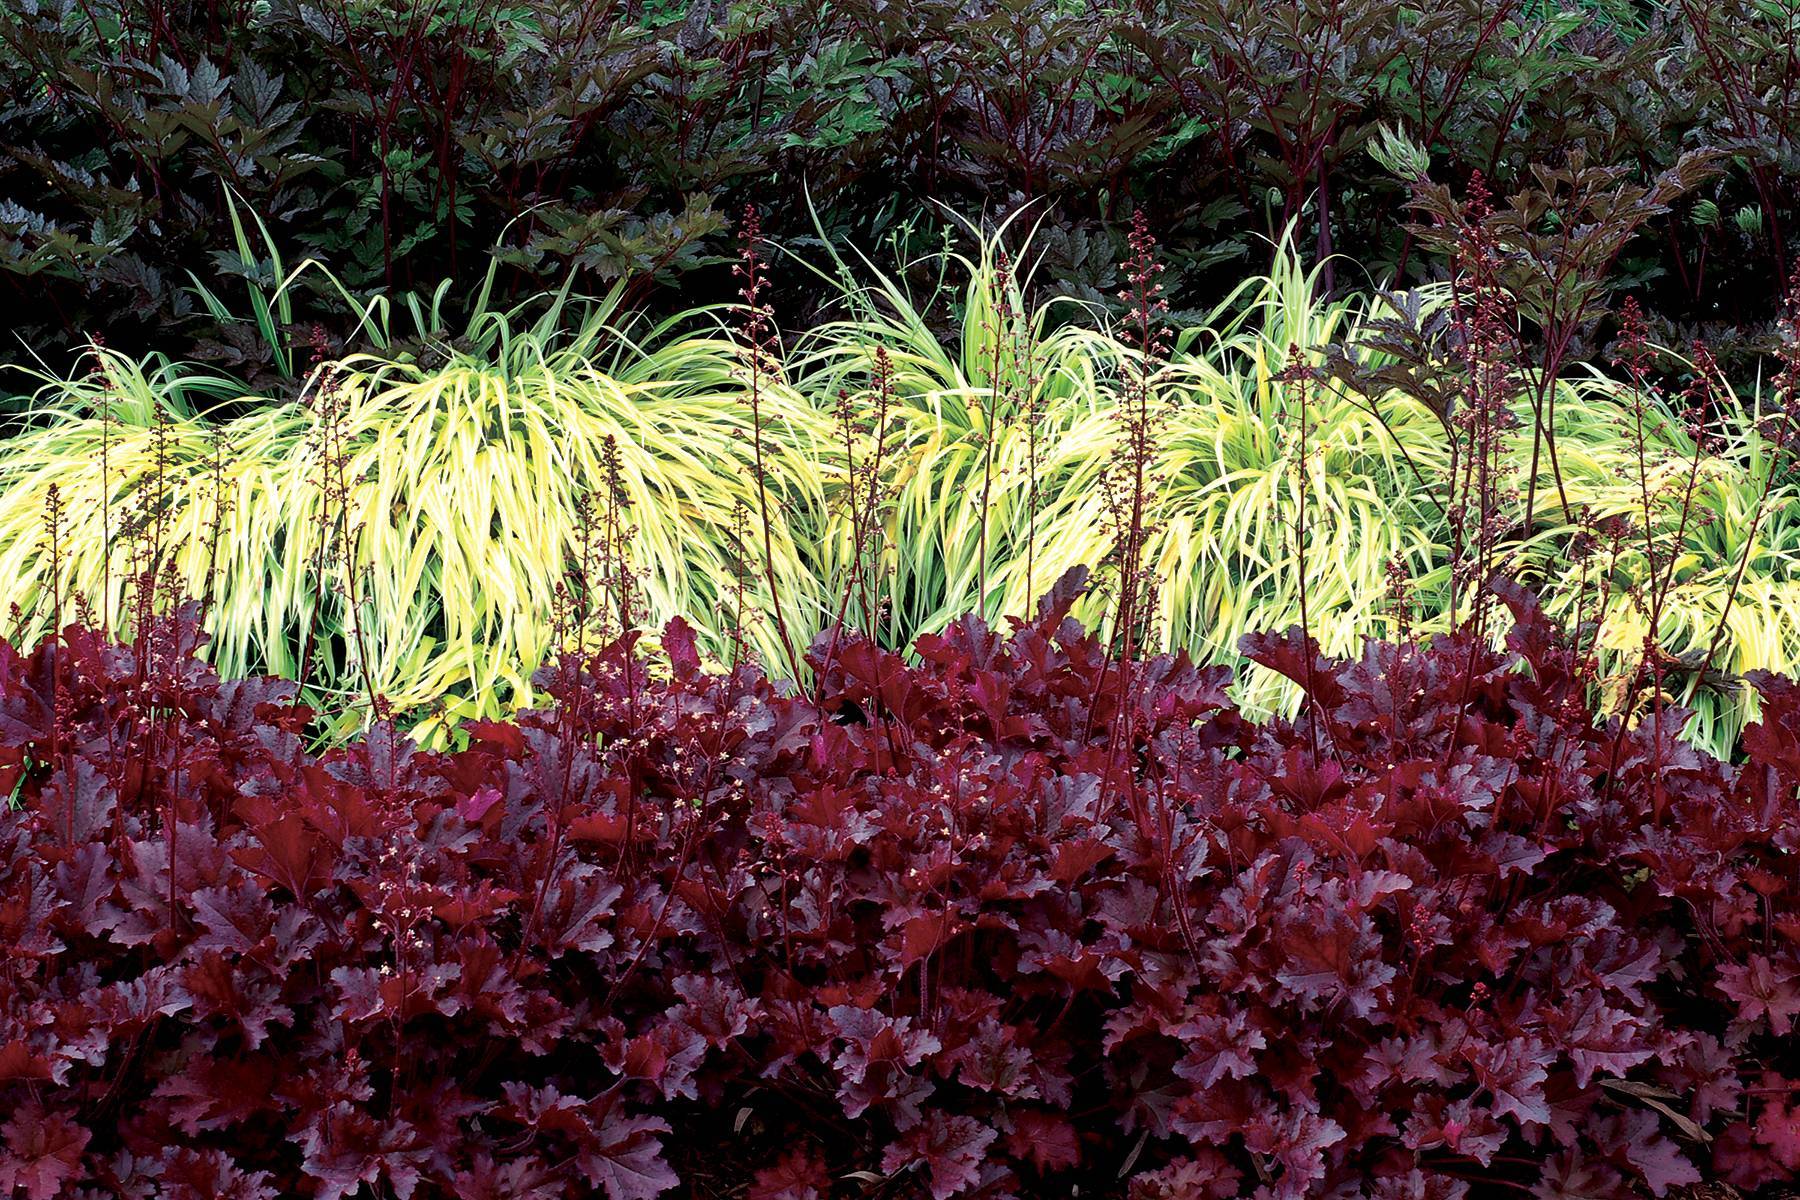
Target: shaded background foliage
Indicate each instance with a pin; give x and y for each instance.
(401, 142)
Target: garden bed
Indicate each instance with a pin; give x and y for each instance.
(1012, 920)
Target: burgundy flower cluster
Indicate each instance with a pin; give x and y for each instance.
(985, 925)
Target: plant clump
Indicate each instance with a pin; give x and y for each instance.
(914, 934)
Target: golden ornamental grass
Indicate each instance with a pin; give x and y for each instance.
(468, 477)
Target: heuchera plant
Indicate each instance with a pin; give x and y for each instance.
(931, 931)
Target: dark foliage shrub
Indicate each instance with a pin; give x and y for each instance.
(400, 142)
(1008, 922)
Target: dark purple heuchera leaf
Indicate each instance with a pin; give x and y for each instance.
(43, 1152)
(1297, 1144)
(612, 1149)
(875, 1056)
(664, 1058)
(1206, 1175)
(78, 804)
(1046, 1140)
(475, 807)
(714, 1007)
(1772, 743)
(1457, 1126)
(184, 1174)
(1764, 990)
(678, 643)
(1636, 1139)
(519, 1179)
(990, 924)
(1778, 1131)
(1218, 1047)
(798, 1175)
(346, 1147)
(1331, 957)
(1513, 1072)
(948, 1149)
